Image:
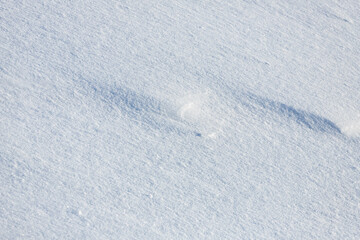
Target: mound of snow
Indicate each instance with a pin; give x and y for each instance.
(200, 110)
(352, 128)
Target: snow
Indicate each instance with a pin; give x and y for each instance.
(180, 119)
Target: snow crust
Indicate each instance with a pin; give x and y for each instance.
(180, 119)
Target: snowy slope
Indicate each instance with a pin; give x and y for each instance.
(180, 119)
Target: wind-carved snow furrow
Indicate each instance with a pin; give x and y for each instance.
(191, 114)
(335, 14)
(146, 109)
(134, 102)
(306, 119)
(143, 109)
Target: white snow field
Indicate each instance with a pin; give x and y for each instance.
(180, 119)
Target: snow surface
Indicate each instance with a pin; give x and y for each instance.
(180, 119)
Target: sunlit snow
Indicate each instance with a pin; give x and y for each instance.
(180, 119)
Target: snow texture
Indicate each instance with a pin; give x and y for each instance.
(180, 119)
